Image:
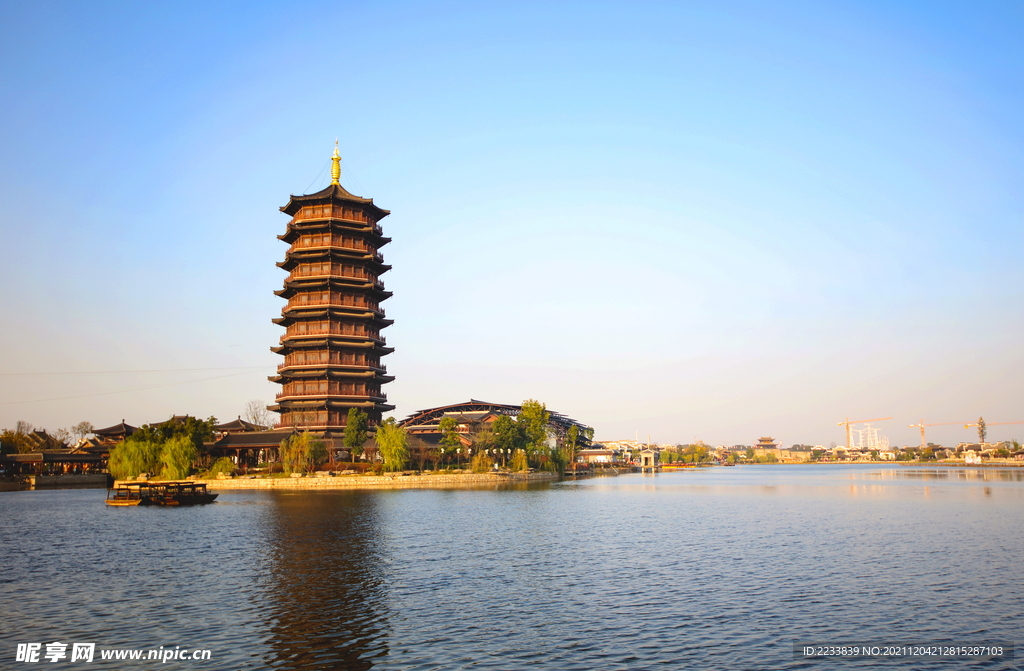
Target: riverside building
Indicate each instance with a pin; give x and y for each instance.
(332, 345)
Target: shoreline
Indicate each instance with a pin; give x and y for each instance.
(395, 481)
(945, 464)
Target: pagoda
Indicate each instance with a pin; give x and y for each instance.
(332, 346)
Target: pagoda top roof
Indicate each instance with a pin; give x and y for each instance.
(332, 192)
(116, 430)
(238, 425)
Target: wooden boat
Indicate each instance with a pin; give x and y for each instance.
(124, 495)
(159, 494)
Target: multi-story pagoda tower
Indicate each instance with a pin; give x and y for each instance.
(332, 344)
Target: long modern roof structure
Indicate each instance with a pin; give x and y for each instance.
(434, 415)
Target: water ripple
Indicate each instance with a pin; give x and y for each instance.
(718, 569)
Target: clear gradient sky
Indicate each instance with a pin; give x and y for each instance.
(682, 220)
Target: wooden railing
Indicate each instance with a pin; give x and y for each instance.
(365, 249)
(332, 271)
(310, 244)
(322, 332)
(331, 362)
(331, 303)
(371, 394)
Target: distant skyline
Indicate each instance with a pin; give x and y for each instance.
(687, 221)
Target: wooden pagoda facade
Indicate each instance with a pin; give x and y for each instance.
(332, 345)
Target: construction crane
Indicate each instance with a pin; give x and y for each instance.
(847, 424)
(988, 424)
(922, 425)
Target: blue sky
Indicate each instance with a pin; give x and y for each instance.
(684, 220)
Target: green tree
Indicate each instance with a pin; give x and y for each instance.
(316, 454)
(519, 461)
(14, 442)
(450, 441)
(302, 453)
(131, 457)
(292, 453)
(177, 455)
(982, 430)
(481, 462)
(223, 465)
(393, 444)
(534, 418)
(571, 439)
(554, 460)
(355, 431)
(197, 430)
(508, 435)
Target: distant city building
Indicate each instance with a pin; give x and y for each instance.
(332, 346)
(623, 445)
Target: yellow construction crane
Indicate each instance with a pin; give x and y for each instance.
(847, 424)
(922, 425)
(987, 424)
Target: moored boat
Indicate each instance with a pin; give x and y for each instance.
(159, 494)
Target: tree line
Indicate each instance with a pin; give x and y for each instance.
(177, 448)
(516, 444)
(23, 438)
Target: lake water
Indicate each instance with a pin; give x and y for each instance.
(720, 568)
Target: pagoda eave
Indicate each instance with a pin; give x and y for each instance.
(332, 193)
(336, 371)
(318, 342)
(339, 254)
(298, 403)
(290, 316)
(321, 282)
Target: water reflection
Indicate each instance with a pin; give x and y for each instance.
(323, 600)
(967, 475)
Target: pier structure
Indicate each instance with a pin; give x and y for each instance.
(332, 345)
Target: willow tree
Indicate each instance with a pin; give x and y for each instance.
(519, 461)
(130, 458)
(176, 457)
(393, 444)
(302, 453)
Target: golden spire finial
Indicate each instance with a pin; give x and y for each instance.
(336, 168)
